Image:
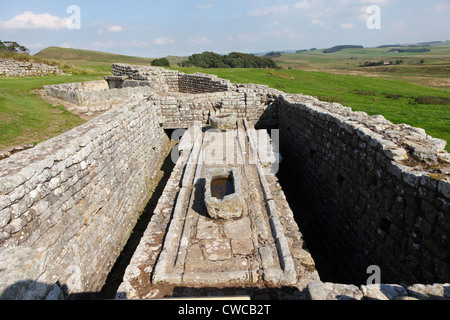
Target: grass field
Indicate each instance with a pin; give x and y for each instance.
(26, 118)
(427, 68)
(412, 93)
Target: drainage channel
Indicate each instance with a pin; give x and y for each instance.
(115, 277)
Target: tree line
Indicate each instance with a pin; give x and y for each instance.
(339, 48)
(13, 46)
(233, 60)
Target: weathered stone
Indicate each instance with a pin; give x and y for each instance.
(238, 229)
(429, 292)
(224, 122)
(242, 246)
(13, 68)
(207, 229)
(230, 206)
(216, 249)
(331, 291)
(383, 291)
(444, 188)
(20, 268)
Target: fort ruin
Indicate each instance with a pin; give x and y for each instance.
(352, 191)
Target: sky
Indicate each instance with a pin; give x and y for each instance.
(156, 29)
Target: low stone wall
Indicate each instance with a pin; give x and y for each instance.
(332, 291)
(182, 111)
(201, 83)
(96, 96)
(165, 80)
(159, 79)
(13, 68)
(381, 191)
(71, 203)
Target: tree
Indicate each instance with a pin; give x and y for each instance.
(13, 46)
(163, 62)
(233, 60)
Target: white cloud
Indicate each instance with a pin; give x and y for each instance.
(115, 28)
(269, 10)
(302, 5)
(164, 40)
(348, 26)
(32, 21)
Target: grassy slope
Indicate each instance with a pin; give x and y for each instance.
(25, 118)
(86, 57)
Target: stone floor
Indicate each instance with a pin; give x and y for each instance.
(186, 253)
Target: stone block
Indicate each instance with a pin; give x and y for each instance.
(444, 187)
(383, 292)
(331, 291)
(231, 205)
(429, 292)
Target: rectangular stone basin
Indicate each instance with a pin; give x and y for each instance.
(223, 193)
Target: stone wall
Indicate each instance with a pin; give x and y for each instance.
(201, 83)
(96, 96)
(179, 98)
(172, 81)
(71, 203)
(13, 68)
(381, 191)
(181, 111)
(159, 79)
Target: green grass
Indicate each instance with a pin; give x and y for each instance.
(26, 118)
(434, 72)
(395, 100)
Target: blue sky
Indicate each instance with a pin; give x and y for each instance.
(180, 27)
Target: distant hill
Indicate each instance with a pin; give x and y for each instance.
(79, 57)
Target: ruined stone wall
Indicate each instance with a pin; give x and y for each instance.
(96, 96)
(159, 79)
(381, 191)
(71, 203)
(172, 81)
(13, 68)
(201, 83)
(183, 110)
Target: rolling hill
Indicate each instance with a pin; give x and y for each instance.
(79, 57)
